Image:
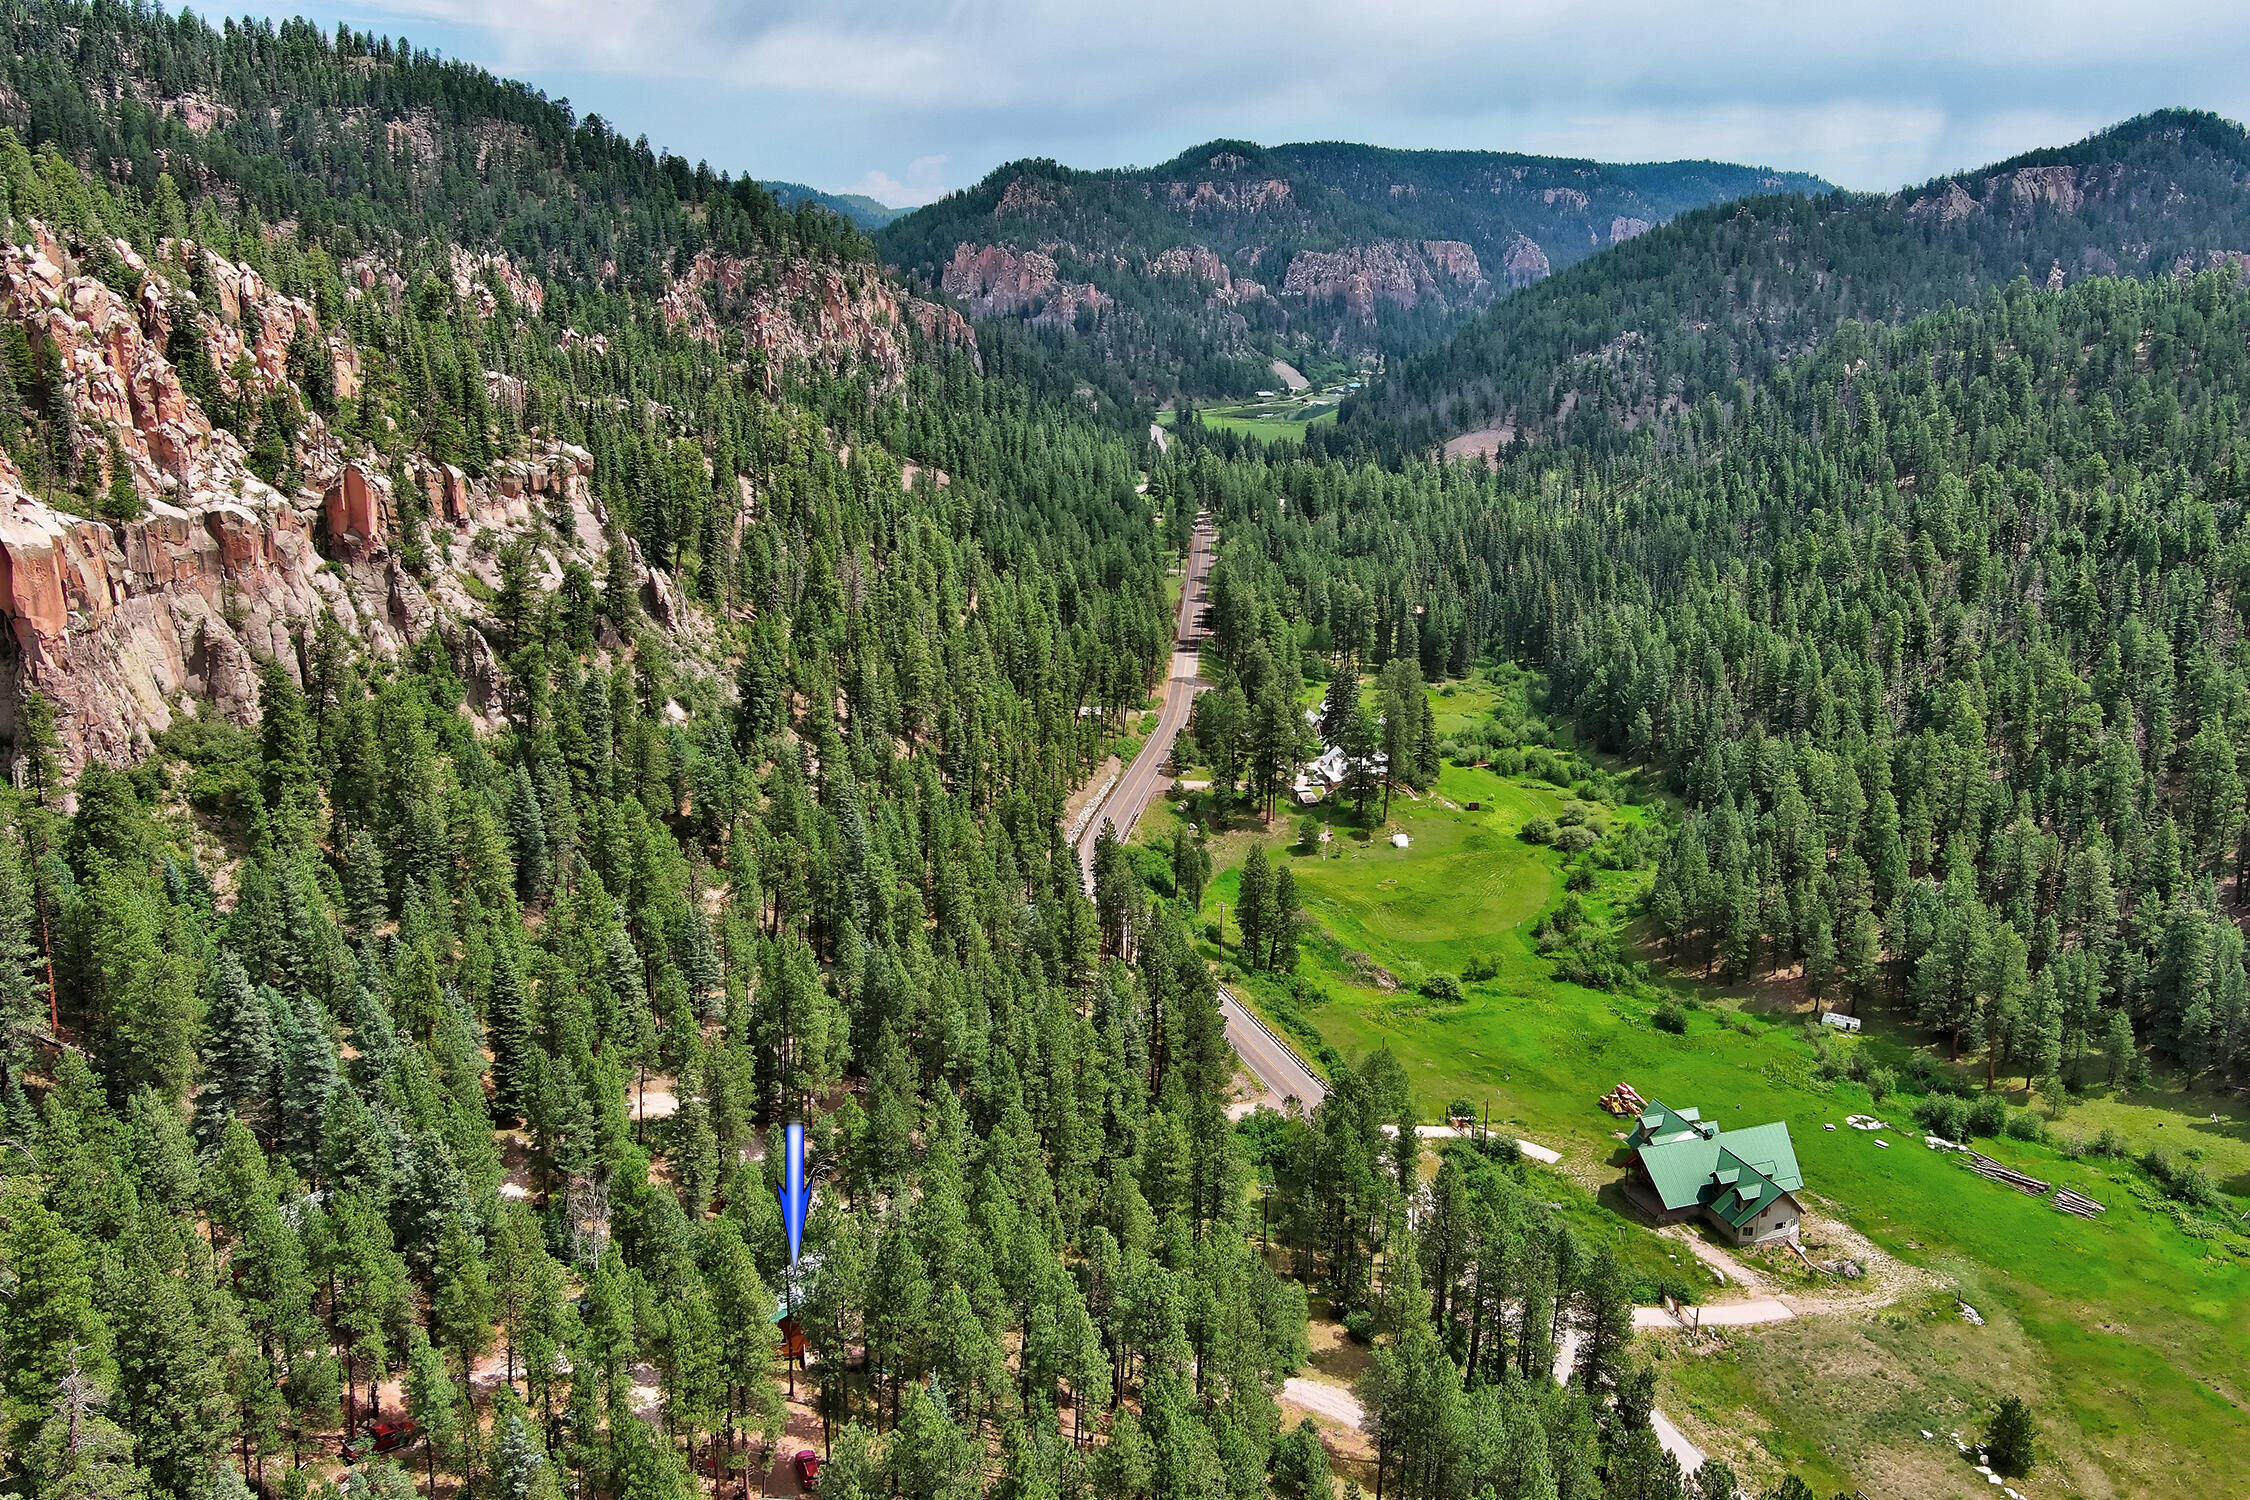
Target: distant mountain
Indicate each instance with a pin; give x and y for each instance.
(1191, 277)
(857, 207)
(1728, 293)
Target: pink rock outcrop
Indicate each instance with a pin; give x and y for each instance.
(806, 314)
(1525, 262)
(1392, 271)
(997, 281)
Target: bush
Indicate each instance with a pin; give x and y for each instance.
(1988, 1115)
(2183, 1181)
(1211, 932)
(2023, 1125)
(1576, 840)
(1581, 876)
(1880, 1081)
(1944, 1115)
(1480, 968)
(1539, 831)
(1359, 1326)
(1670, 1017)
(1442, 987)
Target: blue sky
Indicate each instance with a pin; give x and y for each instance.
(907, 101)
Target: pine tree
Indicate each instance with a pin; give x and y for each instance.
(1284, 922)
(507, 1032)
(48, 1325)
(461, 1297)
(308, 1078)
(432, 1403)
(79, 1453)
(1253, 902)
(290, 776)
(240, 1053)
(527, 835)
(171, 1387)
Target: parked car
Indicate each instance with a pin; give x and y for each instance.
(381, 1437)
(808, 1468)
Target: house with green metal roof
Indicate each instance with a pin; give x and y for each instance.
(1743, 1183)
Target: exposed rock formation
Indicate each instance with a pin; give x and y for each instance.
(1386, 271)
(1525, 262)
(1623, 228)
(470, 273)
(126, 623)
(1228, 197)
(807, 315)
(1201, 263)
(994, 281)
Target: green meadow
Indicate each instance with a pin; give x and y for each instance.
(2129, 1334)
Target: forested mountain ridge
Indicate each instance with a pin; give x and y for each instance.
(1190, 277)
(1728, 293)
(857, 207)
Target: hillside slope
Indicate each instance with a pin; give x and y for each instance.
(1191, 277)
(1728, 293)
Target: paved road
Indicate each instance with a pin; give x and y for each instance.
(1270, 1060)
(1139, 783)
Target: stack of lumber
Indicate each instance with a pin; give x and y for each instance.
(1992, 1169)
(1624, 1100)
(2072, 1202)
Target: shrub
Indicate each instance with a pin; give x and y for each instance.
(1359, 1326)
(1944, 1115)
(2023, 1125)
(1581, 877)
(1576, 839)
(1670, 1017)
(1442, 987)
(1539, 831)
(1480, 968)
(2183, 1181)
(1988, 1115)
(1880, 1081)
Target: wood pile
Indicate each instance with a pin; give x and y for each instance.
(1624, 1100)
(2072, 1202)
(1992, 1169)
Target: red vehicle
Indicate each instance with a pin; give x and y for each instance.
(808, 1468)
(381, 1437)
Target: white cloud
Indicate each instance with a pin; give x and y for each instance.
(1872, 96)
(925, 183)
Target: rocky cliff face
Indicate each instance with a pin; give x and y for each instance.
(127, 621)
(800, 314)
(1392, 271)
(1202, 263)
(1526, 262)
(993, 281)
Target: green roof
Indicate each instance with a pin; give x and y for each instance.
(1734, 1173)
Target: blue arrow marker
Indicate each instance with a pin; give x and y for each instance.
(795, 1193)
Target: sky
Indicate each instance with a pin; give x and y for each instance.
(907, 101)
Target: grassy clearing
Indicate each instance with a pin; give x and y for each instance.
(2130, 1334)
(1279, 419)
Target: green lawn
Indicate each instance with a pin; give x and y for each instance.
(2130, 1334)
(1278, 420)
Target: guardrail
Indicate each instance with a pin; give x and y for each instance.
(1278, 1040)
